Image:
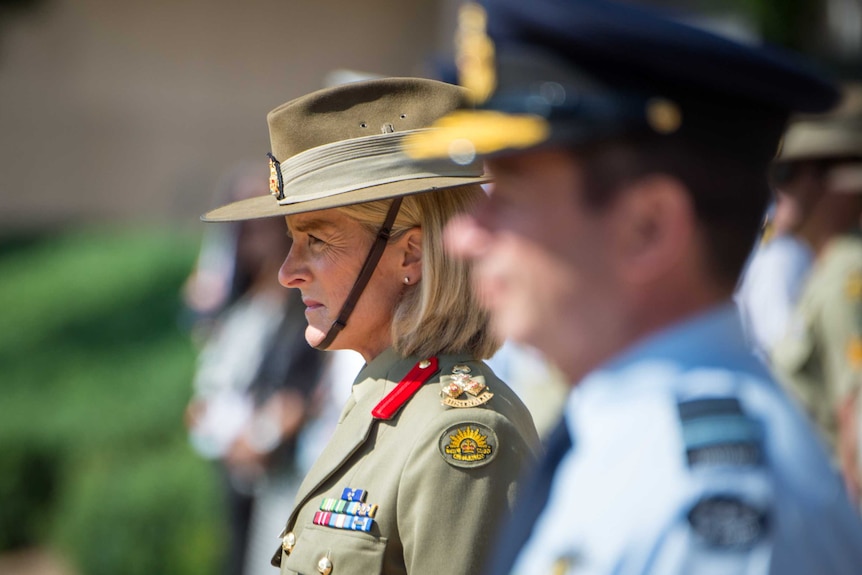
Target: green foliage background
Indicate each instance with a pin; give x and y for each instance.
(95, 374)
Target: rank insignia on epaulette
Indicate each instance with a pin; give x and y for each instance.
(454, 386)
(717, 432)
(468, 445)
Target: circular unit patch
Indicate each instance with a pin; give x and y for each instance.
(468, 445)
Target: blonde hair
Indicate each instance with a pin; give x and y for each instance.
(440, 314)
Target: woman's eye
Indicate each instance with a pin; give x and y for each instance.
(313, 241)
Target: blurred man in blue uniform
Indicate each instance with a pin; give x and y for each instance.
(630, 155)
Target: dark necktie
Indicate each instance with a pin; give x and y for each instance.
(532, 498)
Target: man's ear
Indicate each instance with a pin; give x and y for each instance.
(411, 246)
(654, 225)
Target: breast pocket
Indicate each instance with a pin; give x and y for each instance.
(334, 552)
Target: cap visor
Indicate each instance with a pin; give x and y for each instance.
(465, 134)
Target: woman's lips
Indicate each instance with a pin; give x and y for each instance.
(311, 305)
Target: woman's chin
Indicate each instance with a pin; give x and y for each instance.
(314, 336)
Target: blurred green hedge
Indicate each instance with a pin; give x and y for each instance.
(95, 373)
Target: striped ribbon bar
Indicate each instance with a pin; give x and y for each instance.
(343, 521)
(349, 507)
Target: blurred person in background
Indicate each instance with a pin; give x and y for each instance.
(255, 372)
(773, 278)
(630, 155)
(820, 358)
(427, 454)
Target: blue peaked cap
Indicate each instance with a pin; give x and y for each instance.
(597, 69)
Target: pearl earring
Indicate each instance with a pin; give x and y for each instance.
(406, 280)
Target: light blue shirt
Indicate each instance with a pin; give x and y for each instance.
(734, 481)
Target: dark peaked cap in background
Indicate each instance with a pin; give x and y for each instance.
(589, 70)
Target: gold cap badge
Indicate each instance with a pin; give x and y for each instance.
(475, 53)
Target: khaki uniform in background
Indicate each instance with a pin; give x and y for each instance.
(821, 356)
(443, 478)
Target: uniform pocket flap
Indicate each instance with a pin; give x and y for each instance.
(340, 549)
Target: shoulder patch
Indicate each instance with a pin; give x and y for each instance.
(468, 445)
(717, 432)
(461, 389)
(728, 521)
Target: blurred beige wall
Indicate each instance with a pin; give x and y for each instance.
(127, 110)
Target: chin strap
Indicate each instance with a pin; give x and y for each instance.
(364, 275)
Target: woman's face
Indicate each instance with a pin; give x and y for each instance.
(328, 251)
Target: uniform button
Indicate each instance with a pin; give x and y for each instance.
(424, 364)
(324, 566)
(288, 542)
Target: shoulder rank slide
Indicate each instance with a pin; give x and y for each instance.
(406, 388)
(461, 383)
(717, 432)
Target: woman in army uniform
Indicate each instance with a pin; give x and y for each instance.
(425, 461)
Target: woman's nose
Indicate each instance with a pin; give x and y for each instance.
(291, 274)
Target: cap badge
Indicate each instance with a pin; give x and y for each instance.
(663, 116)
(475, 53)
(468, 445)
(276, 184)
(460, 383)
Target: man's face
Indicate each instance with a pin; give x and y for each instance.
(798, 196)
(542, 259)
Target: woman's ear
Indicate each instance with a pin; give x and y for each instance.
(411, 263)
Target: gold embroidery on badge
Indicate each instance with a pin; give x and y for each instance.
(468, 444)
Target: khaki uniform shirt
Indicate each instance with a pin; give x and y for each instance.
(820, 358)
(443, 478)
